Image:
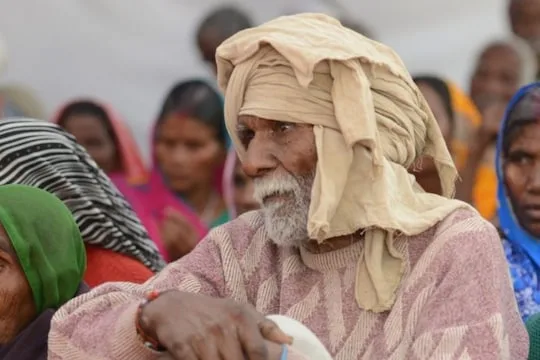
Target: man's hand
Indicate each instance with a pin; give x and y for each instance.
(198, 327)
(274, 352)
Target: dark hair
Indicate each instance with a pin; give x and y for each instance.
(198, 100)
(441, 88)
(525, 112)
(228, 20)
(88, 108)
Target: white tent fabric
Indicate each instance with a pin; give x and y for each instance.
(130, 52)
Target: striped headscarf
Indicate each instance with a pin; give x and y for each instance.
(41, 154)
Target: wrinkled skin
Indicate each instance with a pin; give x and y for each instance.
(17, 307)
(212, 329)
(522, 177)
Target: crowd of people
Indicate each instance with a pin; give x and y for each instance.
(379, 215)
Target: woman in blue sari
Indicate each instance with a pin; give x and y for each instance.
(518, 193)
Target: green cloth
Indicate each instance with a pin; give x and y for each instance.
(222, 219)
(533, 327)
(47, 243)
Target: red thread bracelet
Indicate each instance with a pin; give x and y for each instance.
(147, 340)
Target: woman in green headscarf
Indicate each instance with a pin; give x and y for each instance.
(42, 262)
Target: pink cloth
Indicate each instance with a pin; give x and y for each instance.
(455, 300)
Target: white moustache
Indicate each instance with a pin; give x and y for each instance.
(265, 187)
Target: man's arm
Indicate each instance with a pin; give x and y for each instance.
(470, 312)
(101, 323)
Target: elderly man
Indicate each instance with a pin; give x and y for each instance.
(326, 122)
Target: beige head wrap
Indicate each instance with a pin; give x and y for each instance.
(370, 123)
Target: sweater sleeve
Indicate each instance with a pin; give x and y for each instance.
(101, 323)
(468, 309)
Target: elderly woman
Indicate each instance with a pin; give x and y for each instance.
(42, 262)
(518, 171)
(41, 154)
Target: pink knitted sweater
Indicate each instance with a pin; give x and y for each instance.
(455, 300)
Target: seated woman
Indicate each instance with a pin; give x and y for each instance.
(518, 193)
(102, 132)
(437, 95)
(41, 154)
(42, 262)
(459, 121)
(184, 195)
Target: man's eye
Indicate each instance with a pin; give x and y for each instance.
(245, 136)
(285, 126)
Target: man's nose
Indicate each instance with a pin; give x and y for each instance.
(259, 158)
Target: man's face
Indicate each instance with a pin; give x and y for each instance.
(525, 21)
(208, 41)
(280, 158)
(496, 77)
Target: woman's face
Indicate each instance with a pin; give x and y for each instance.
(436, 105)
(188, 152)
(522, 176)
(93, 136)
(17, 307)
(496, 77)
(243, 191)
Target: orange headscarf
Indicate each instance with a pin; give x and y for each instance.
(467, 120)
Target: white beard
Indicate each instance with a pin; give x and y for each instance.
(285, 220)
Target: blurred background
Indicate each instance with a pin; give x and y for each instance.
(130, 53)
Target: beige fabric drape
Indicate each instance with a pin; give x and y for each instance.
(370, 124)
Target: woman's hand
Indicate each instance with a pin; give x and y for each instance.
(198, 327)
(492, 117)
(177, 234)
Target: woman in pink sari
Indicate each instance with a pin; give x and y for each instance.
(99, 129)
(189, 147)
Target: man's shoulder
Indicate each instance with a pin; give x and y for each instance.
(462, 234)
(242, 230)
(464, 220)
